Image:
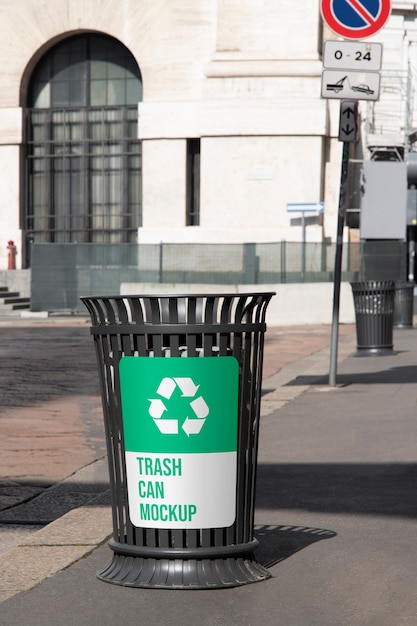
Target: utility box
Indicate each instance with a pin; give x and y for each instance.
(384, 200)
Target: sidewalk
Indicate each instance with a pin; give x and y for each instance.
(336, 509)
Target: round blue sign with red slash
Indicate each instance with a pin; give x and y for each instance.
(355, 19)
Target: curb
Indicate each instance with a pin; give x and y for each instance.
(54, 548)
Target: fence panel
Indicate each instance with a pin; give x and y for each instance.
(62, 273)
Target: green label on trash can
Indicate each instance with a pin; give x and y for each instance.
(180, 422)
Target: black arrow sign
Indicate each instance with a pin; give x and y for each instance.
(348, 130)
(348, 112)
(348, 120)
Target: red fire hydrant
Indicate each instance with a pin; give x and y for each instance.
(12, 255)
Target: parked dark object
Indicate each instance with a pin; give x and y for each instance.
(139, 339)
(403, 305)
(374, 313)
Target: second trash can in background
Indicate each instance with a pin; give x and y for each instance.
(181, 387)
(374, 314)
(403, 305)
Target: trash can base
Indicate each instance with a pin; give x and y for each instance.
(151, 573)
(386, 351)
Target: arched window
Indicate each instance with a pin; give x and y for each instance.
(83, 156)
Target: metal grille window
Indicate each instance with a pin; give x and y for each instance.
(83, 155)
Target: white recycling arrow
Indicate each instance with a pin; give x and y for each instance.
(170, 426)
(187, 386)
(167, 427)
(200, 407)
(166, 388)
(192, 426)
(156, 408)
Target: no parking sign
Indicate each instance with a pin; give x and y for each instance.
(355, 19)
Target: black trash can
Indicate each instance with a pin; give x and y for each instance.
(181, 386)
(403, 305)
(374, 313)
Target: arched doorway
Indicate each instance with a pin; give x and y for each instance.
(83, 158)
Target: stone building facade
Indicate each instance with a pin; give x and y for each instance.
(230, 124)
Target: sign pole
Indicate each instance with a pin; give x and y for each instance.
(338, 82)
(348, 129)
(338, 264)
(303, 262)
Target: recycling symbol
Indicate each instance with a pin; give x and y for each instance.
(193, 423)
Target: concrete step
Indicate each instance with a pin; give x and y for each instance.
(15, 300)
(11, 301)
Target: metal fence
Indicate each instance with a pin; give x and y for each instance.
(62, 273)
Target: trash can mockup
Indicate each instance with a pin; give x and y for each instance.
(181, 382)
(403, 305)
(374, 313)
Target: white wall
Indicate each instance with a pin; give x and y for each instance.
(163, 184)
(293, 305)
(246, 183)
(258, 177)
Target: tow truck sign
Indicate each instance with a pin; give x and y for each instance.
(355, 19)
(350, 85)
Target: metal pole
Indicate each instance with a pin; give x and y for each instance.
(304, 237)
(161, 262)
(283, 262)
(338, 264)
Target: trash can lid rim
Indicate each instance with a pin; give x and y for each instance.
(181, 295)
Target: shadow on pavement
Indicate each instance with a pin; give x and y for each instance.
(277, 543)
(394, 375)
(54, 502)
(387, 489)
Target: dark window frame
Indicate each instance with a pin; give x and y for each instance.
(193, 169)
